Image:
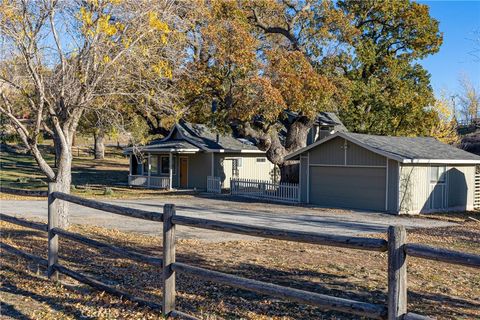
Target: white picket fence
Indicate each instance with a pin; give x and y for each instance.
(261, 189)
(214, 184)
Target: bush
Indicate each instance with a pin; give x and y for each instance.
(23, 180)
(108, 191)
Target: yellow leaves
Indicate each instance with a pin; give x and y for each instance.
(105, 26)
(106, 59)
(86, 16)
(155, 23)
(162, 69)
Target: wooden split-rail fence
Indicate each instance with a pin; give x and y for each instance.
(396, 247)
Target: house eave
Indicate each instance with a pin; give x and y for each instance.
(439, 161)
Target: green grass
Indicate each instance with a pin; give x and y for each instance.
(106, 178)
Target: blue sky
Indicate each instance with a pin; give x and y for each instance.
(458, 21)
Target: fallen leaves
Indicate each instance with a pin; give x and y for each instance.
(435, 289)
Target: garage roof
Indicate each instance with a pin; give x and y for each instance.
(403, 149)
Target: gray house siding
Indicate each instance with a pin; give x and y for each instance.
(460, 191)
(333, 153)
(303, 179)
(199, 167)
(393, 170)
(330, 153)
(358, 156)
(419, 195)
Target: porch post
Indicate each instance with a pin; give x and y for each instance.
(170, 170)
(213, 165)
(148, 167)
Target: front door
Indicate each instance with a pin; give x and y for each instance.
(183, 172)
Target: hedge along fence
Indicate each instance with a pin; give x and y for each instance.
(395, 246)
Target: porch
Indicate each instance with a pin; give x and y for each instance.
(172, 170)
(159, 170)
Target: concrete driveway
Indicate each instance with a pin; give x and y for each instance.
(225, 208)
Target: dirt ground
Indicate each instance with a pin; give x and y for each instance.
(435, 289)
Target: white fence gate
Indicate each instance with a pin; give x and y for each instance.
(214, 184)
(261, 189)
(476, 197)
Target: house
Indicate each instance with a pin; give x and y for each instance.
(191, 153)
(392, 174)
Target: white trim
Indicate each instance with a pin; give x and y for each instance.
(386, 185)
(377, 151)
(170, 170)
(149, 166)
(179, 169)
(344, 166)
(308, 178)
(440, 161)
(399, 186)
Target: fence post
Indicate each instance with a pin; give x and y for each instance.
(168, 275)
(397, 273)
(52, 238)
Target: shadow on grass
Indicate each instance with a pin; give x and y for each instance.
(195, 294)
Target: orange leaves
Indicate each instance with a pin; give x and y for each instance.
(303, 88)
(258, 97)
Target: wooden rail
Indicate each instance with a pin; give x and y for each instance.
(320, 300)
(112, 208)
(396, 247)
(282, 234)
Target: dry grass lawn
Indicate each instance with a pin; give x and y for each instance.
(436, 289)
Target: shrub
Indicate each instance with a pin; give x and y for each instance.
(108, 191)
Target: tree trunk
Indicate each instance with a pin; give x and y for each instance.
(289, 172)
(99, 145)
(63, 181)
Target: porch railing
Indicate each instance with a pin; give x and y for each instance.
(261, 189)
(214, 184)
(148, 181)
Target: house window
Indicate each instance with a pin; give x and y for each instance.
(261, 160)
(164, 165)
(154, 165)
(437, 174)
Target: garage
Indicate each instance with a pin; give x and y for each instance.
(348, 187)
(398, 175)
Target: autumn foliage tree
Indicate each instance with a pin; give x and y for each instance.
(248, 58)
(59, 56)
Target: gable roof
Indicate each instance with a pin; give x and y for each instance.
(402, 149)
(190, 137)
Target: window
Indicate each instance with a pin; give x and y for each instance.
(154, 165)
(261, 160)
(164, 169)
(437, 174)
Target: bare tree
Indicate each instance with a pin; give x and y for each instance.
(468, 100)
(61, 55)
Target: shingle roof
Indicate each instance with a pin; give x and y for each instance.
(330, 118)
(170, 144)
(413, 147)
(203, 136)
(200, 136)
(404, 149)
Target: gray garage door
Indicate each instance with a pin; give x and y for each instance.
(356, 188)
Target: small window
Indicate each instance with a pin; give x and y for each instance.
(261, 160)
(164, 168)
(437, 174)
(154, 165)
